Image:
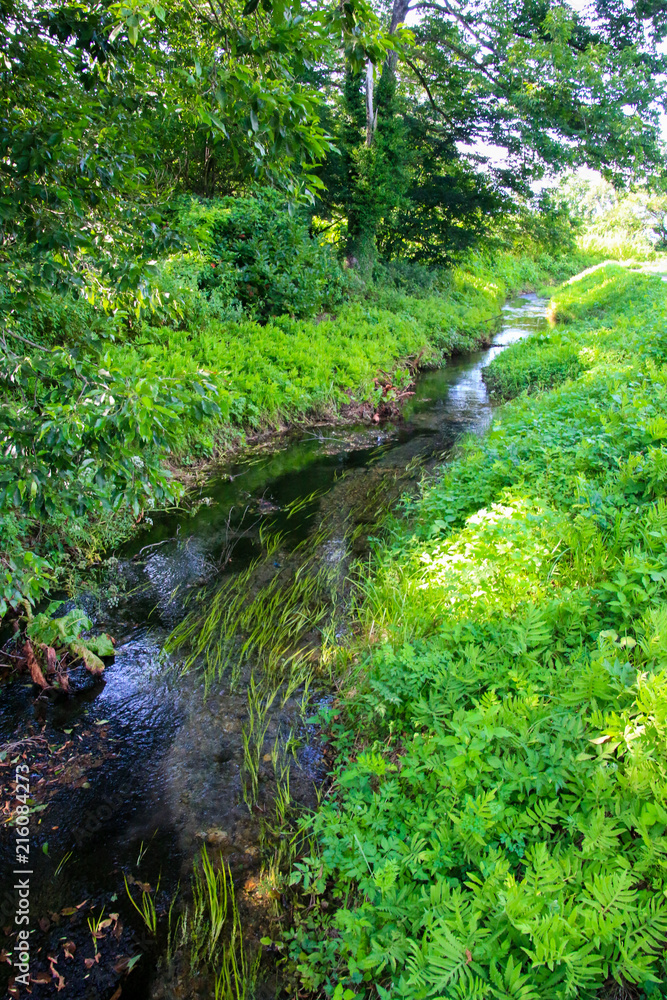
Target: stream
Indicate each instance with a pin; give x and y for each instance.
(146, 765)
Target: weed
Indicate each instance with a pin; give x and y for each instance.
(94, 925)
(146, 909)
(497, 825)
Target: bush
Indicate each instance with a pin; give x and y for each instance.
(263, 256)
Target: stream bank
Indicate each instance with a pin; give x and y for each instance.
(161, 765)
(496, 824)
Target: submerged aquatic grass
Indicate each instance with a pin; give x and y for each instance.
(209, 933)
(264, 616)
(146, 908)
(254, 734)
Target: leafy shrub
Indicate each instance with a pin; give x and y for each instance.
(266, 253)
(179, 282)
(78, 439)
(411, 278)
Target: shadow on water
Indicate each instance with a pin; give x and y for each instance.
(143, 769)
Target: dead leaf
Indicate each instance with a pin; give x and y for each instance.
(4, 957)
(12, 988)
(63, 681)
(41, 977)
(51, 658)
(79, 905)
(44, 924)
(60, 980)
(33, 666)
(118, 930)
(600, 739)
(67, 911)
(468, 956)
(117, 994)
(121, 964)
(92, 663)
(69, 948)
(90, 962)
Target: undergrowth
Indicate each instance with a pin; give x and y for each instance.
(287, 369)
(497, 826)
(93, 406)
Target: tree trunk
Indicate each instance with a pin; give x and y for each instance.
(399, 12)
(371, 115)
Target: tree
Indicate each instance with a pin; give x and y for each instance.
(535, 80)
(104, 107)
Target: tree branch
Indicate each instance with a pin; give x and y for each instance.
(426, 87)
(445, 8)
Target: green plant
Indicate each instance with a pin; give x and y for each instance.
(63, 861)
(63, 633)
(146, 909)
(277, 267)
(95, 925)
(497, 823)
(210, 932)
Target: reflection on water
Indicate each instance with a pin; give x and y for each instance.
(167, 763)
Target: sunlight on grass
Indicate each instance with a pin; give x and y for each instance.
(502, 819)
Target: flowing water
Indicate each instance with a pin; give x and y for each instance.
(147, 765)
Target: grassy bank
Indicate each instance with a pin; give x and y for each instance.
(292, 370)
(498, 823)
(102, 401)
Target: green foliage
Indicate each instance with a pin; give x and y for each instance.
(59, 631)
(63, 634)
(290, 367)
(106, 108)
(545, 82)
(625, 225)
(81, 440)
(541, 363)
(277, 267)
(86, 424)
(500, 830)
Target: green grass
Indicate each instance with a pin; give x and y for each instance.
(101, 433)
(498, 825)
(289, 369)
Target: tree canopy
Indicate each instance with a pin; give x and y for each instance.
(108, 109)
